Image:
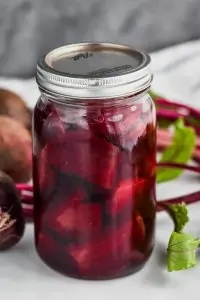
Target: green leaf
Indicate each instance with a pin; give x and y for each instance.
(180, 151)
(179, 214)
(181, 251)
(182, 247)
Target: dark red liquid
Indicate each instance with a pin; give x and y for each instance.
(94, 188)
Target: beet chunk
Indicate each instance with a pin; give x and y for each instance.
(12, 105)
(126, 168)
(114, 123)
(11, 215)
(129, 140)
(125, 196)
(54, 255)
(46, 175)
(48, 125)
(53, 128)
(92, 159)
(139, 232)
(15, 150)
(71, 218)
(81, 218)
(110, 251)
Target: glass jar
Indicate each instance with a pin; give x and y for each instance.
(94, 158)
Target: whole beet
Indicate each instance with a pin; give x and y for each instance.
(12, 221)
(15, 150)
(14, 106)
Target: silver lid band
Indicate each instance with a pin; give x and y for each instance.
(83, 83)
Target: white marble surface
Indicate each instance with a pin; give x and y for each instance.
(23, 276)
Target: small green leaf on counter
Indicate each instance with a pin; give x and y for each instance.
(179, 214)
(181, 251)
(180, 151)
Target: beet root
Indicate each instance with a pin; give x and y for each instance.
(12, 221)
(15, 150)
(15, 107)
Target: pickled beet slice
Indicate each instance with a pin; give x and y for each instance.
(41, 112)
(105, 268)
(75, 118)
(50, 182)
(146, 208)
(139, 231)
(46, 243)
(81, 218)
(46, 175)
(113, 122)
(126, 168)
(115, 246)
(146, 168)
(96, 122)
(92, 159)
(72, 218)
(129, 140)
(54, 255)
(125, 195)
(49, 176)
(77, 136)
(121, 122)
(51, 126)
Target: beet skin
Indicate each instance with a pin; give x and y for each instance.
(15, 107)
(12, 221)
(15, 150)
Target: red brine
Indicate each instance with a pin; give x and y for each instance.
(104, 235)
(94, 162)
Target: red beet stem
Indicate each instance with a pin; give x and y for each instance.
(169, 114)
(165, 110)
(197, 160)
(179, 166)
(187, 199)
(190, 110)
(24, 186)
(28, 198)
(172, 115)
(27, 201)
(28, 212)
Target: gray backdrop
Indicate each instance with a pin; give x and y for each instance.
(29, 28)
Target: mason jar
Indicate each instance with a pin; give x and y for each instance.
(94, 159)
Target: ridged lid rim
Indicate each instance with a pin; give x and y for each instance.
(61, 83)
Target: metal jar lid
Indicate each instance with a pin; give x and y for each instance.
(91, 70)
